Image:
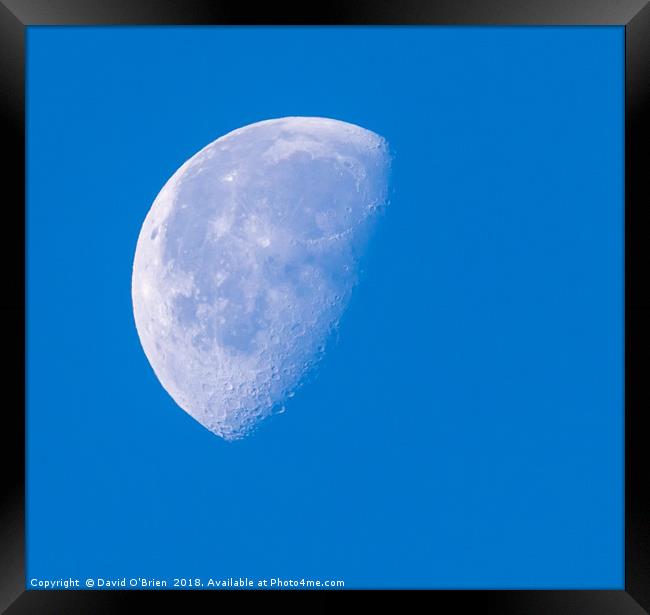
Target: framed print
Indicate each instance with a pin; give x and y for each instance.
(351, 301)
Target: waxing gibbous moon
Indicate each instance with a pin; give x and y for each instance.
(247, 259)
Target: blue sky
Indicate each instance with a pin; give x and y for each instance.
(465, 430)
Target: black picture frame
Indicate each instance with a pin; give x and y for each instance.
(16, 15)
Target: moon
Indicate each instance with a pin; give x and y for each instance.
(247, 259)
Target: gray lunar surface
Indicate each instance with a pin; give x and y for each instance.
(246, 261)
